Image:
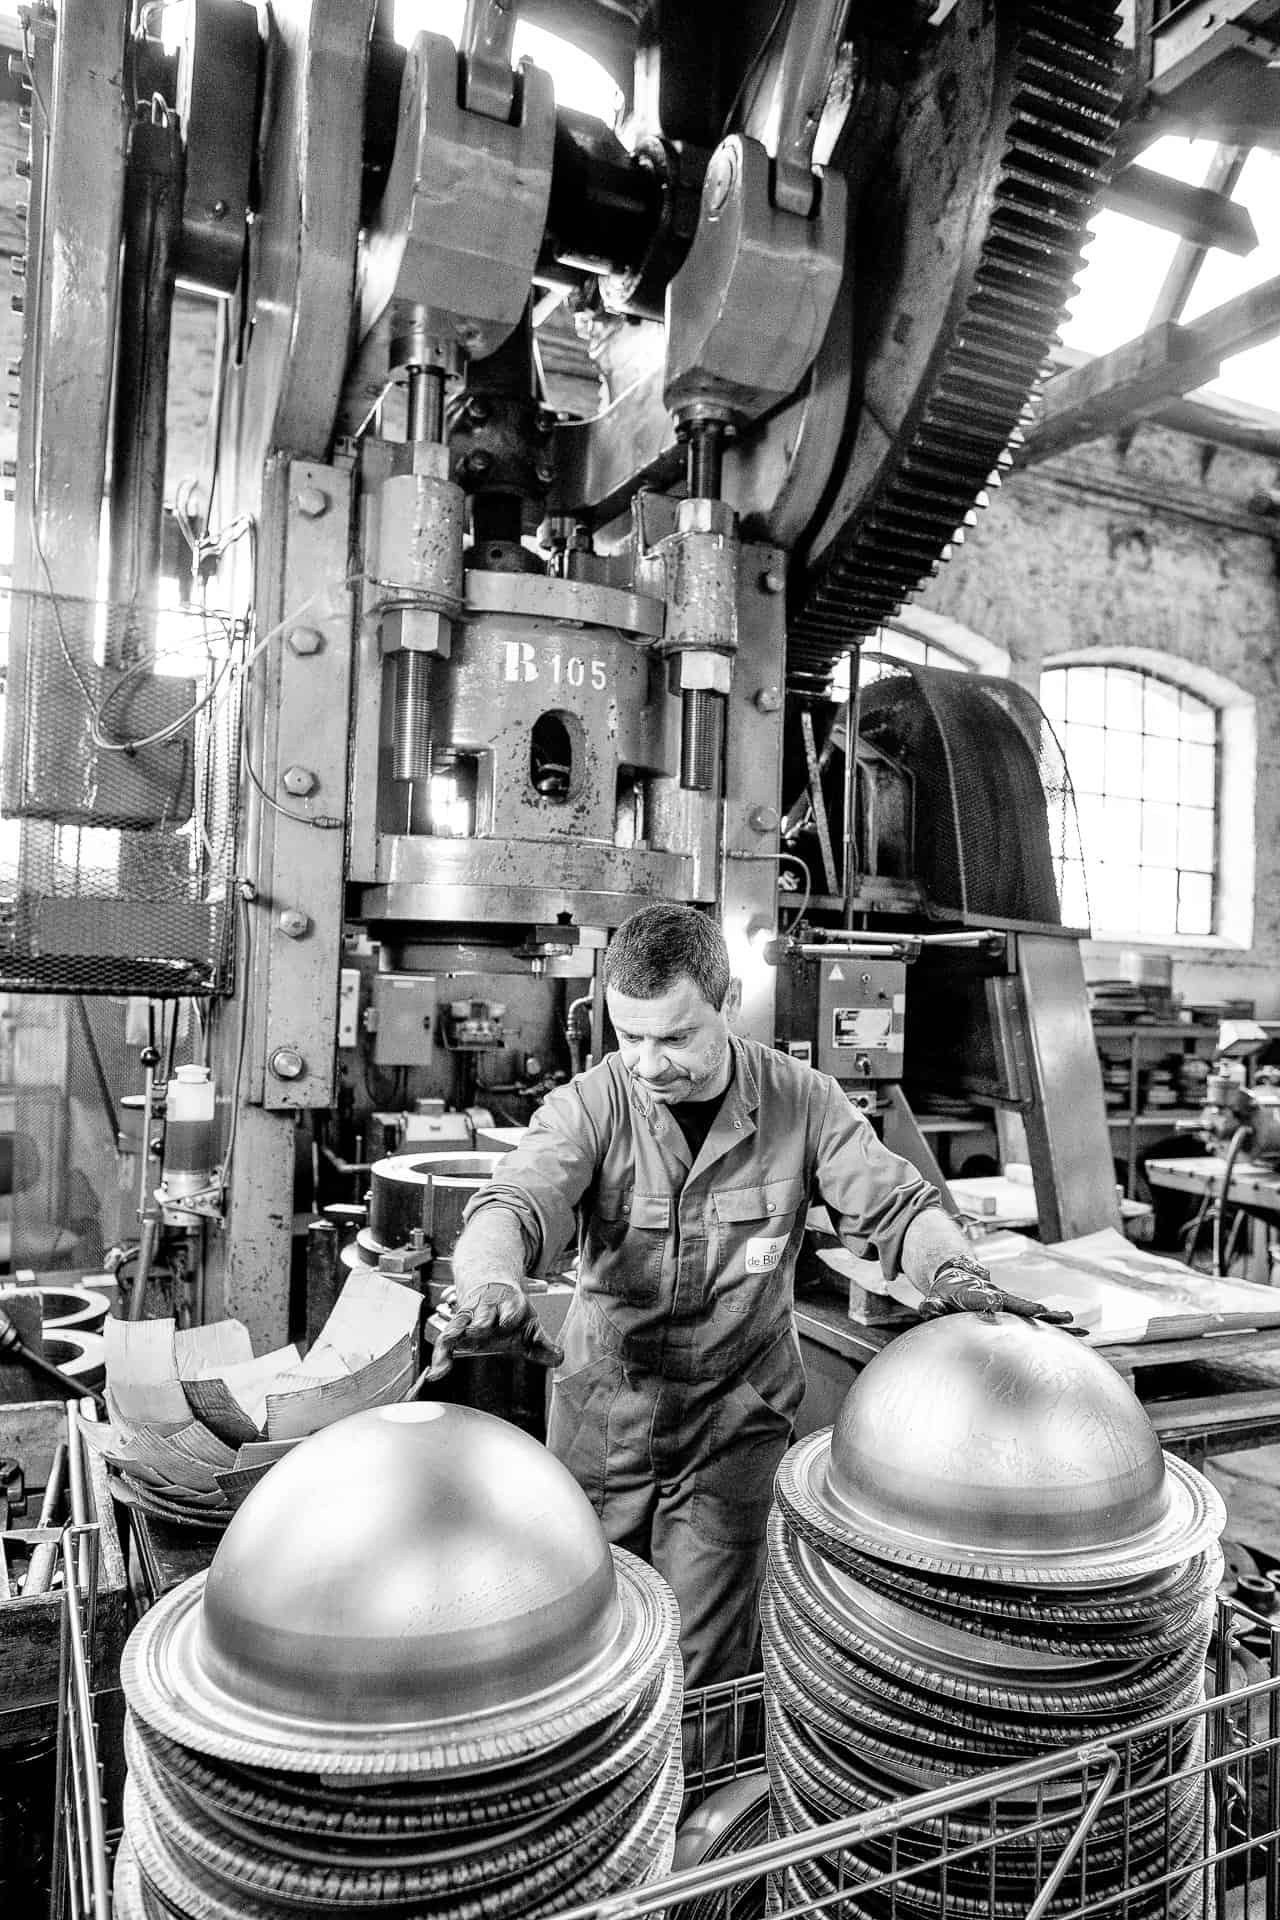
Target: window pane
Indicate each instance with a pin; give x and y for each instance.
(1124, 699)
(1075, 906)
(1196, 768)
(1083, 747)
(1199, 720)
(1113, 888)
(1195, 838)
(1161, 707)
(1157, 902)
(1085, 691)
(1160, 769)
(1122, 760)
(1121, 829)
(1195, 903)
(1159, 835)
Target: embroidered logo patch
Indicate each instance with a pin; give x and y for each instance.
(764, 1255)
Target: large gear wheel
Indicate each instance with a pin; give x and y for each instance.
(967, 239)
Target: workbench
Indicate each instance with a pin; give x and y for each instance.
(1254, 1189)
(1205, 1394)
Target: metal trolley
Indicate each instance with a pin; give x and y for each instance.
(970, 1829)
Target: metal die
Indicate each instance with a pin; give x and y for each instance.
(419, 553)
(403, 1009)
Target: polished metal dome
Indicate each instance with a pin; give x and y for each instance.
(421, 1580)
(991, 1446)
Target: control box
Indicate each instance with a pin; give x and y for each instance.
(403, 1019)
(861, 1018)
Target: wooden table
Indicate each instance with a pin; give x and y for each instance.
(1205, 1395)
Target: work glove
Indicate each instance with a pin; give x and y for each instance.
(497, 1320)
(961, 1285)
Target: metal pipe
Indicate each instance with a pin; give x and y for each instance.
(152, 233)
(44, 1558)
(852, 722)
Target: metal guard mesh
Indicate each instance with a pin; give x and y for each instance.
(995, 809)
(117, 818)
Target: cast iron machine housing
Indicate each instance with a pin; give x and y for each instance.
(505, 669)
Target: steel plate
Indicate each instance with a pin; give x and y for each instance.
(166, 1686)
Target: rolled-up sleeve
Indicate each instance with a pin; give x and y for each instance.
(542, 1180)
(871, 1194)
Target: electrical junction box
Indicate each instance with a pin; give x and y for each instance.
(404, 1019)
(861, 1014)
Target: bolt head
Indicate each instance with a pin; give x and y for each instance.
(298, 780)
(769, 699)
(305, 640)
(294, 923)
(771, 581)
(287, 1063)
(312, 502)
(764, 819)
(478, 463)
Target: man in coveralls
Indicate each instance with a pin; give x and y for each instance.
(684, 1165)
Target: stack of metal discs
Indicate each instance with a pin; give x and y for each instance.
(415, 1679)
(987, 1560)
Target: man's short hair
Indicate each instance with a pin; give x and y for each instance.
(659, 945)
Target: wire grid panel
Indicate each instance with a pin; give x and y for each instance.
(117, 830)
(81, 1885)
(1181, 1815)
(995, 808)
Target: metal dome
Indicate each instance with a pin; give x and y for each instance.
(419, 1581)
(994, 1447)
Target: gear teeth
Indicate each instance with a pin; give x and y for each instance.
(962, 437)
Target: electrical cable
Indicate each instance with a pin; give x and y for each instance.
(1238, 1139)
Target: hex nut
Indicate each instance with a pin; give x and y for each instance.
(763, 819)
(312, 502)
(298, 780)
(294, 923)
(305, 640)
(287, 1063)
(768, 699)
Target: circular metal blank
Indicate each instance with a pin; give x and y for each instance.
(1189, 1523)
(167, 1686)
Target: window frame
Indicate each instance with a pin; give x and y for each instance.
(1235, 786)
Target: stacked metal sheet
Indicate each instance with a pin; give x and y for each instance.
(989, 1559)
(415, 1679)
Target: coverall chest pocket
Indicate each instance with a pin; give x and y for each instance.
(625, 1244)
(754, 1240)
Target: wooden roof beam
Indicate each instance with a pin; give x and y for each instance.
(1199, 215)
(1108, 393)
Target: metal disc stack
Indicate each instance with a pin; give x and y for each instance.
(415, 1679)
(987, 1560)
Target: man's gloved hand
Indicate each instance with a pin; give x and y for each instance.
(498, 1319)
(961, 1285)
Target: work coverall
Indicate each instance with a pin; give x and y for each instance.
(682, 1373)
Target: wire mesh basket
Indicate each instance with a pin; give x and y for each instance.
(117, 818)
(1025, 1841)
(81, 1883)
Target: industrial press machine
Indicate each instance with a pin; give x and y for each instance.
(470, 660)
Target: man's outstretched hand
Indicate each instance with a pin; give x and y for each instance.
(498, 1319)
(970, 1289)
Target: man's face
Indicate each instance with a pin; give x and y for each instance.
(676, 1045)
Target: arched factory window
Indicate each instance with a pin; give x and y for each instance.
(1161, 756)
